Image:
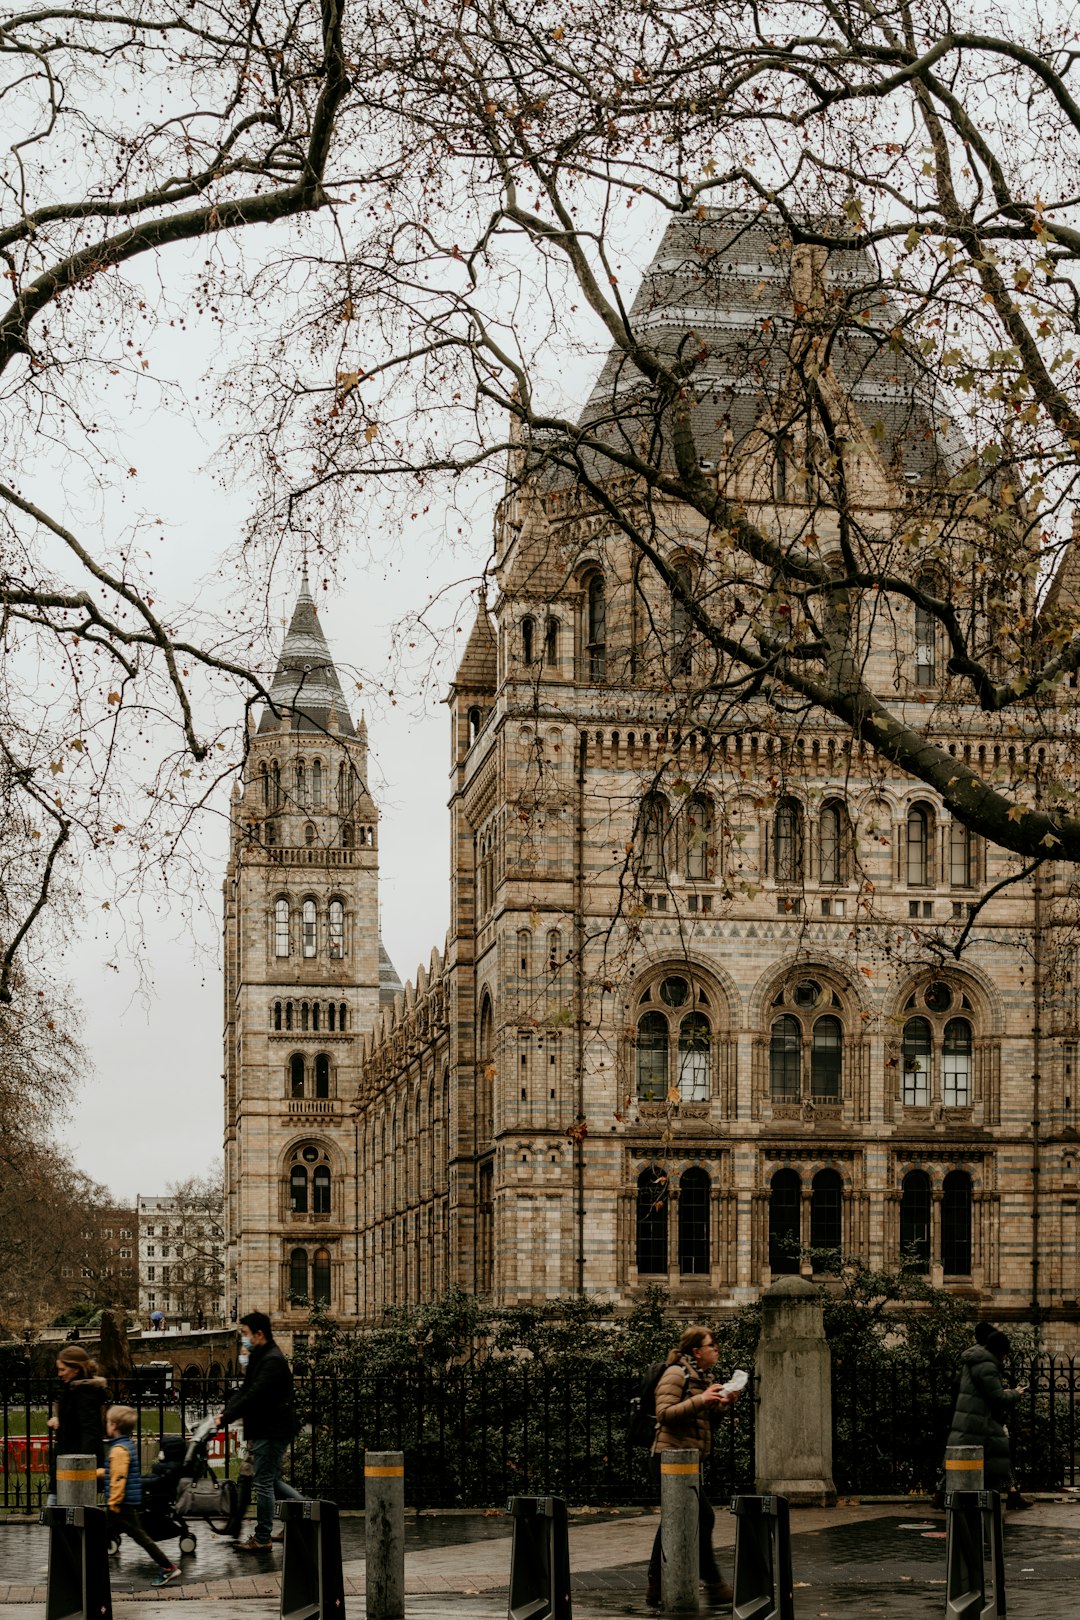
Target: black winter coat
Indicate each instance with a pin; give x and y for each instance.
(265, 1398)
(983, 1407)
(80, 1407)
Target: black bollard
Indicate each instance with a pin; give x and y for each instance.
(78, 1581)
(974, 1556)
(539, 1559)
(312, 1582)
(764, 1589)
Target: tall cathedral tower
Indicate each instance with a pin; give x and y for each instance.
(303, 964)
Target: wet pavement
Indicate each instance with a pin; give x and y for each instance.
(866, 1559)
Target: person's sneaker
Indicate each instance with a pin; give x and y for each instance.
(252, 1544)
(278, 1535)
(164, 1576)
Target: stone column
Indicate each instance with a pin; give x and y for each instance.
(794, 1417)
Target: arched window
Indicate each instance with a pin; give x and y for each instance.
(296, 1075)
(320, 1278)
(304, 1017)
(652, 835)
(476, 720)
(288, 1015)
(320, 1190)
(275, 782)
(652, 1058)
(831, 844)
(344, 788)
(528, 639)
(551, 644)
(682, 647)
(316, 784)
(925, 638)
(346, 837)
(337, 930)
(785, 1059)
(956, 1064)
(826, 1060)
(787, 834)
(919, 847)
(652, 1222)
(310, 931)
(298, 1285)
(785, 1197)
(916, 1060)
(826, 1205)
(524, 947)
(281, 928)
(322, 1075)
(961, 856)
(915, 1220)
(309, 833)
(301, 784)
(264, 787)
(698, 822)
(595, 627)
(485, 1079)
(277, 1014)
(315, 1016)
(554, 950)
(694, 1188)
(695, 1048)
(341, 1017)
(273, 834)
(298, 1190)
(956, 1224)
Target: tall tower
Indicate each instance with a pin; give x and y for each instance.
(303, 964)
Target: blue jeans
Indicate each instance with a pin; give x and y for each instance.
(268, 1484)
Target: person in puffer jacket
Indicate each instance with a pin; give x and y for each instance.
(983, 1408)
(123, 1487)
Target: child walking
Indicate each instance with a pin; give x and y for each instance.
(123, 1487)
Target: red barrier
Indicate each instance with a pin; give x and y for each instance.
(15, 1455)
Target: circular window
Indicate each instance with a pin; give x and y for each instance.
(674, 991)
(807, 993)
(938, 996)
(311, 1154)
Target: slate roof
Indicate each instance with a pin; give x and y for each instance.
(722, 286)
(306, 682)
(389, 983)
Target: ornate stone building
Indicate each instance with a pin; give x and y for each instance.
(688, 1026)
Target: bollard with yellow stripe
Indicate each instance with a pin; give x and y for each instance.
(963, 1469)
(384, 1534)
(76, 1480)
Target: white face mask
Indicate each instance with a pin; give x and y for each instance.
(242, 1359)
(245, 1341)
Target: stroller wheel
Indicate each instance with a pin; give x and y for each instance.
(114, 1546)
(188, 1542)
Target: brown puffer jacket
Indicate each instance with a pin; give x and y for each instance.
(685, 1423)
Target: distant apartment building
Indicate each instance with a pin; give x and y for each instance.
(101, 1265)
(182, 1258)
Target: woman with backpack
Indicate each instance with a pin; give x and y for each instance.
(688, 1400)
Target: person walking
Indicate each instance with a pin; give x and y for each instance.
(688, 1400)
(123, 1488)
(983, 1408)
(76, 1421)
(265, 1403)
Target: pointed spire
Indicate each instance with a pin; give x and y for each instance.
(306, 684)
(479, 667)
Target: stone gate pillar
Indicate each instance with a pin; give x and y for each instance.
(794, 1417)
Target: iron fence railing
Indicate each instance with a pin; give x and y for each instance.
(891, 1421)
(472, 1436)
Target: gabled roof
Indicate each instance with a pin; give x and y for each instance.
(478, 670)
(306, 684)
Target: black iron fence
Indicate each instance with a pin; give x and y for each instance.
(472, 1436)
(891, 1422)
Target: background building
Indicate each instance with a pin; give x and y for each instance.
(700, 1017)
(181, 1245)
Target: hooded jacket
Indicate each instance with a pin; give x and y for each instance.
(685, 1418)
(982, 1410)
(265, 1398)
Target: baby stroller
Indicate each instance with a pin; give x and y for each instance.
(181, 1484)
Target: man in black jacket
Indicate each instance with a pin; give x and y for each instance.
(265, 1403)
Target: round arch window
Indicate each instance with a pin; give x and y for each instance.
(310, 1154)
(674, 991)
(937, 996)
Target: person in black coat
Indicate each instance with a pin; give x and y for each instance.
(265, 1403)
(77, 1420)
(983, 1408)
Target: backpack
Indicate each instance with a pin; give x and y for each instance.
(644, 1423)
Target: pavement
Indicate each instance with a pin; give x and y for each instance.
(858, 1559)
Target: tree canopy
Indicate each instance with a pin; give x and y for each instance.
(420, 231)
